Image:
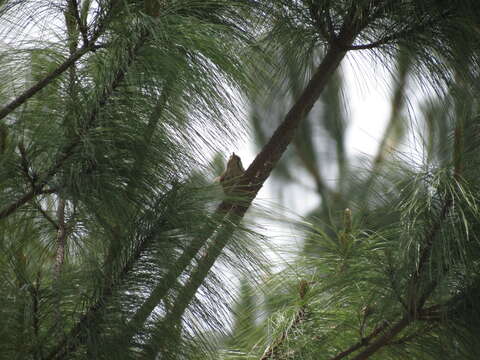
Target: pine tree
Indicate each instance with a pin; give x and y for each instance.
(110, 233)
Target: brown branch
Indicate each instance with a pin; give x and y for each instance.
(27, 94)
(34, 290)
(250, 183)
(10, 209)
(76, 336)
(73, 6)
(61, 240)
(365, 341)
(372, 45)
(260, 168)
(24, 199)
(384, 340)
(71, 60)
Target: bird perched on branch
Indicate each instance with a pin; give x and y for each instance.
(232, 173)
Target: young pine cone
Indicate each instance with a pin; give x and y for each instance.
(231, 174)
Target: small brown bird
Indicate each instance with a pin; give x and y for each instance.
(232, 173)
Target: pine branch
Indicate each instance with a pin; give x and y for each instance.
(416, 300)
(70, 61)
(38, 190)
(61, 240)
(34, 290)
(365, 341)
(415, 304)
(78, 334)
(385, 339)
(251, 182)
(73, 7)
(65, 153)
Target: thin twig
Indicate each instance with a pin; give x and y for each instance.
(399, 35)
(34, 290)
(61, 239)
(81, 26)
(26, 164)
(59, 260)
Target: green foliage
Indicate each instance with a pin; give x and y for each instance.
(103, 177)
(113, 243)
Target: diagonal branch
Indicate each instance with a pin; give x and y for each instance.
(364, 341)
(385, 339)
(10, 209)
(59, 259)
(77, 335)
(251, 183)
(256, 175)
(65, 153)
(71, 60)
